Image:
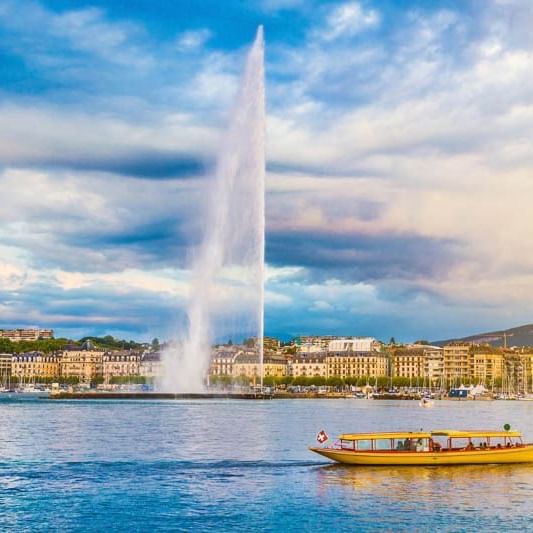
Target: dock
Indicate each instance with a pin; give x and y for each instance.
(158, 396)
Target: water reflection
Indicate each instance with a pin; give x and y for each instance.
(456, 487)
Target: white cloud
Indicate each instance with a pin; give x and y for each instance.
(348, 19)
(193, 39)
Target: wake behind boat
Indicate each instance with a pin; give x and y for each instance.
(440, 447)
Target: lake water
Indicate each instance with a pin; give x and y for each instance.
(244, 466)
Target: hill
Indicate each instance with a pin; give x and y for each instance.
(519, 336)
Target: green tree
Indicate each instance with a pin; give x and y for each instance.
(318, 381)
(302, 381)
(269, 381)
(286, 380)
(334, 381)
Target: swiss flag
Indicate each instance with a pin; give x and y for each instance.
(322, 436)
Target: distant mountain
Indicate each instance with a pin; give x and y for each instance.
(519, 336)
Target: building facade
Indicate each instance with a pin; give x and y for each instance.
(34, 367)
(84, 364)
(408, 363)
(354, 344)
(121, 364)
(369, 364)
(434, 364)
(5, 369)
(488, 367)
(457, 362)
(313, 365)
(517, 373)
(17, 335)
(222, 361)
(247, 365)
(151, 366)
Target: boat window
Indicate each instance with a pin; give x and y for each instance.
(382, 444)
(460, 444)
(364, 445)
(440, 443)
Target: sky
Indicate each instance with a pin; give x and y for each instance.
(399, 162)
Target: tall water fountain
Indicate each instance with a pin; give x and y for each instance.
(227, 286)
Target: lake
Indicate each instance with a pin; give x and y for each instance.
(244, 466)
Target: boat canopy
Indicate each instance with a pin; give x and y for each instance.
(478, 433)
(378, 436)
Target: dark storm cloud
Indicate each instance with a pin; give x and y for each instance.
(91, 310)
(150, 165)
(362, 257)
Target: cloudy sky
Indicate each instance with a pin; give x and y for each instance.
(399, 161)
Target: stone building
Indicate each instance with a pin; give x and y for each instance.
(150, 365)
(84, 363)
(222, 361)
(312, 365)
(517, 373)
(457, 362)
(345, 364)
(488, 367)
(247, 364)
(34, 367)
(21, 334)
(408, 362)
(5, 369)
(433, 364)
(120, 364)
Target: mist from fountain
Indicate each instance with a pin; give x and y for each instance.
(227, 285)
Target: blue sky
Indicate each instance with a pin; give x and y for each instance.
(399, 161)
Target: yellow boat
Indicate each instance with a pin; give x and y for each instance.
(441, 447)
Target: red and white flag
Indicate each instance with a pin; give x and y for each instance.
(322, 436)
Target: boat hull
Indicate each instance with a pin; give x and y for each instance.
(523, 454)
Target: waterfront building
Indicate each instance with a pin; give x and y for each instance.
(5, 369)
(22, 334)
(433, 364)
(312, 365)
(84, 363)
(150, 365)
(247, 364)
(222, 361)
(120, 364)
(457, 362)
(408, 362)
(34, 367)
(517, 373)
(347, 364)
(488, 366)
(354, 344)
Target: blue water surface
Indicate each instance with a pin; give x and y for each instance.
(244, 466)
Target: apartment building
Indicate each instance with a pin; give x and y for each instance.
(21, 334)
(35, 366)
